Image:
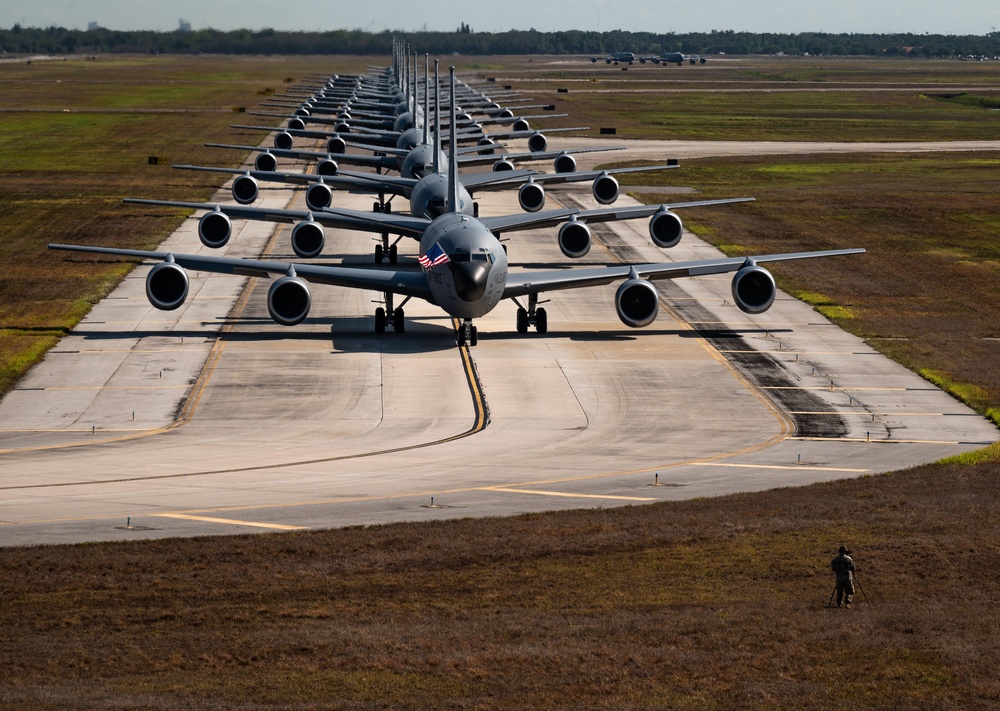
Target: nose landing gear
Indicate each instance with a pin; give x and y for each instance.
(468, 335)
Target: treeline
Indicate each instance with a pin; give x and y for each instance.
(58, 40)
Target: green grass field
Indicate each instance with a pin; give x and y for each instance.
(705, 604)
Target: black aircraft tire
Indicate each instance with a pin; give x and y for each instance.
(379, 320)
(474, 339)
(522, 321)
(541, 321)
(398, 324)
(378, 254)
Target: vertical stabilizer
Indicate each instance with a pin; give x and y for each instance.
(427, 79)
(452, 149)
(437, 119)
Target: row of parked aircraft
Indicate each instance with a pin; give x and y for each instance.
(460, 264)
(678, 58)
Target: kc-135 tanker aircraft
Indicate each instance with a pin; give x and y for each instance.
(463, 270)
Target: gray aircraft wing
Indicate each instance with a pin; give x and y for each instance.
(343, 179)
(407, 283)
(532, 220)
(535, 282)
(406, 225)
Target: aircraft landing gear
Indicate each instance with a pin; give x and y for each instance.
(468, 335)
(532, 316)
(384, 252)
(395, 316)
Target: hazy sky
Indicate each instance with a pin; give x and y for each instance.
(975, 17)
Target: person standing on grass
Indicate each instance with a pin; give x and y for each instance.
(843, 566)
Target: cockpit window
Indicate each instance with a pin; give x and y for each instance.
(460, 257)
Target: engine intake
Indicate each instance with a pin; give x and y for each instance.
(308, 239)
(531, 196)
(288, 300)
(537, 143)
(336, 145)
(521, 125)
(327, 166)
(283, 140)
(564, 163)
(214, 229)
(487, 147)
(605, 189)
(665, 229)
(245, 189)
(297, 123)
(266, 162)
(318, 196)
(753, 289)
(502, 165)
(637, 302)
(167, 286)
(574, 239)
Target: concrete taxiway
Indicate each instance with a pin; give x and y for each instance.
(212, 419)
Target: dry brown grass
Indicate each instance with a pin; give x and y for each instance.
(701, 604)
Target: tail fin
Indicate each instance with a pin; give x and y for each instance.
(452, 150)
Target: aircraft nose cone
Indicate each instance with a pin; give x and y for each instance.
(470, 280)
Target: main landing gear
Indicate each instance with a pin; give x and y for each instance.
(385, 252)
(531, 316)
(389, 314)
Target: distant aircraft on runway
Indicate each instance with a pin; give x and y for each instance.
(674, 58)
(463, 271)
(615, 58)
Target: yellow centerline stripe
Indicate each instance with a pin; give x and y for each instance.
(506, 490)
(232, 522)
(778, 466)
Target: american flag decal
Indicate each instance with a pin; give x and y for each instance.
(434, 256)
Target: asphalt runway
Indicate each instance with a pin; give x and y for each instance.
(212, 419)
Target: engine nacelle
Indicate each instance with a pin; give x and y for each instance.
(327, 166)
(297, 124)
(214, 229)
(505, 113)
(288, 300)
(336, 145)
(637, 302)
(308, 239)
(303, 110)
(665, 229)
(521, 125)
(319, 196)
(502, 165)
(167, 286)
(283, 140)
(574, 239)
(486, 147)
(531, 196)
(266, 162)
(605, 189)
(564, 163)
(537, 143)
(342, 127)
(245, 189)
(642, 60)
(753, 289)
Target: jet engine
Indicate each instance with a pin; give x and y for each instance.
(336, 145)
(486, 147)
(521, 125)
(318, 196)
(283, 140)
(574, 239)
(505, 113)
(214, 229)
(167, 286)
(537, 142)
(266, 162)
(342, 127)
(502, 165)
(605, 189)
(531, 196)
(327, 166)
(665, 229)
(245, 189)
(753, 288)
(564, 163)
(288, 300)
(637, 302)
(297, 123)
(308, 239)
(303, 110)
